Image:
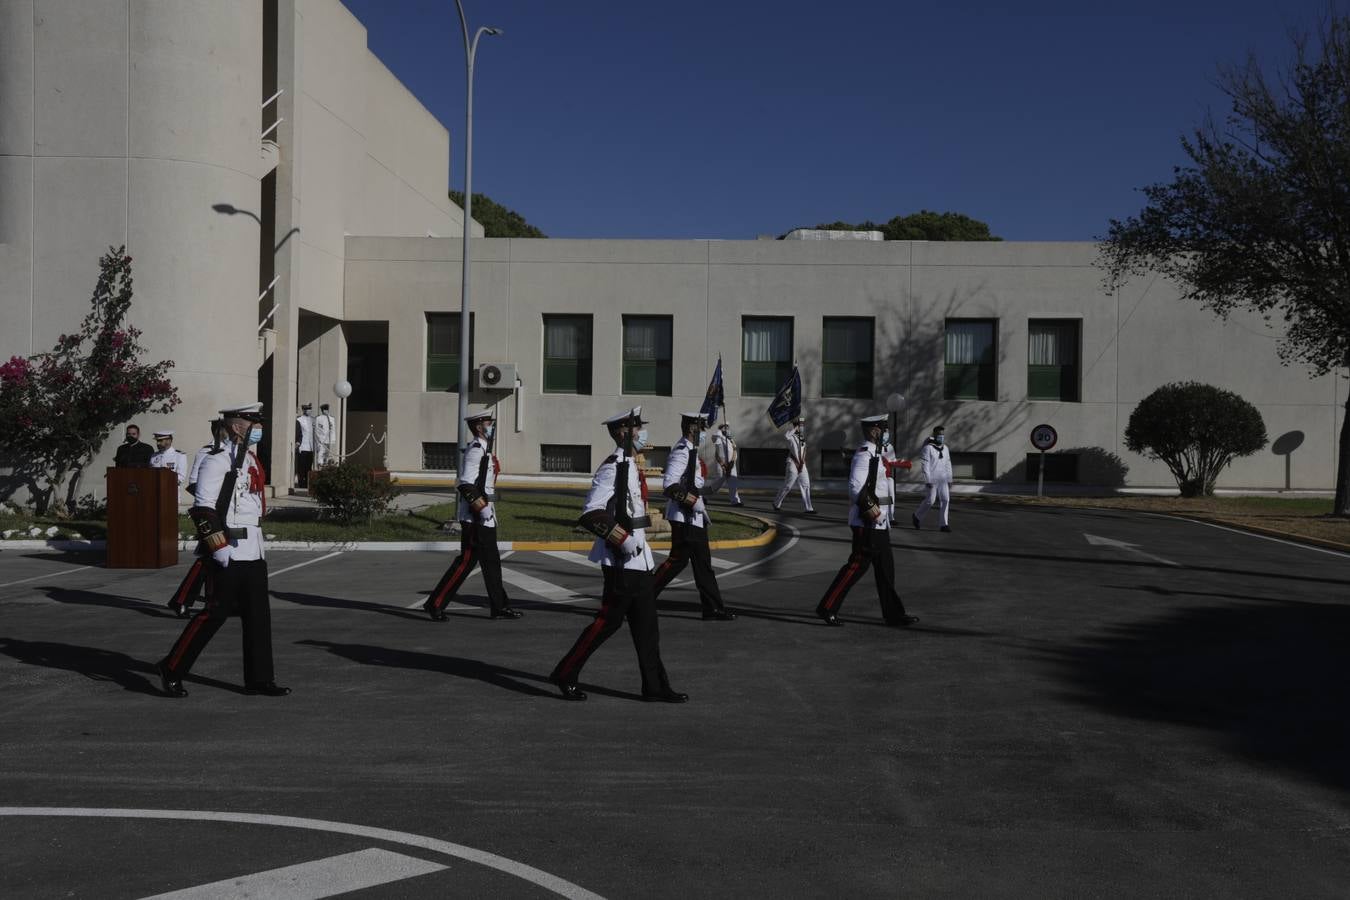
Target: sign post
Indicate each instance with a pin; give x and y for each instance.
(1043, 437)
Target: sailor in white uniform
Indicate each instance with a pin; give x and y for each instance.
(728, 466)
(796, 474)
(190, 588)
(937, 474)
(617, 515)
(325, 436)
(228, 512)
(688, 517)
(869, 498)
(167, 456)
(477, 515)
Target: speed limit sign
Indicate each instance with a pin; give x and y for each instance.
(1043, 437)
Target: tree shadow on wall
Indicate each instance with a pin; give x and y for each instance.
(1096, 466)
(1266, 681)
(909, 356)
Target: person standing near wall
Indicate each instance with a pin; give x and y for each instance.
(687, 514)
(937, 474)
(796, 474)
(133, 454)
(325, 436)
(477, 514)
(304, 445)
(167, 456)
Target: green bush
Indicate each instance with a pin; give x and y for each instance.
(1196, 430)
(351, 491)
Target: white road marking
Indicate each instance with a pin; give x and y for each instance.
(722, 563)
(579, 558)
(314, 880)
(540, 588)
(308, 562)
(417, 604)
(796, 536)
(519, 870)
(1264, 537)
(1098, 541)
(48, 575)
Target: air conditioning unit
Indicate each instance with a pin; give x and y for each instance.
(497, 377)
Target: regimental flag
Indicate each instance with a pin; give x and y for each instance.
(713, 399)
(787, 403)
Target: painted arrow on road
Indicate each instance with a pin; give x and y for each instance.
(1098, 541)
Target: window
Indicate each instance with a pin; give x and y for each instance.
(646, 355)
(565, 458)
(440, 456)
(567, 356)
(443, 351)
(368, 372)
(766, 355)
(655, 457)
(973, 466)
(837, 462)
(1052, 360)
(971, 371)
(847, 355)
(1058, 466)
(751, 461)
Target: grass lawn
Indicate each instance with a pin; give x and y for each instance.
(521, 516)
(1303, 516)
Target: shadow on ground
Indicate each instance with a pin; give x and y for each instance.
(92, 662)
(1268, 681)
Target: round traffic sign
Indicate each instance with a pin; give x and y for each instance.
(1043, 437)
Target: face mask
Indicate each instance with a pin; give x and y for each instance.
(938, 439)
(885, 437)
(702, 436)
(255, 435)
(131, 439)
(640, 440)
(489, 431)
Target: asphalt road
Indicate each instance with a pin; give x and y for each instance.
(1095, 703)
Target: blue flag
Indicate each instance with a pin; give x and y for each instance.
(713, 398)
(787, 403)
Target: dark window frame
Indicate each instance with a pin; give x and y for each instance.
(761, 371)
(447, 362)
(662, 370)
(831, 369)
(582, 366)
(1039, 377)
(971, 381)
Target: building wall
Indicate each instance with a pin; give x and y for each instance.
(124, 121)
(1132, 341)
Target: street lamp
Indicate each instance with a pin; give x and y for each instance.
(893, 403)
(470, 49)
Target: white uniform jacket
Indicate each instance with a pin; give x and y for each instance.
(325, 429)
(726, 453)
(202, 453)
(682, 456)
(246, 506)
(173, 458)
(603, 495)
(857, 479)
(796, 450)
(937, 462)
(478, 463)
(304, 433)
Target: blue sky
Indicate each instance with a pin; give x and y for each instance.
(642, 119)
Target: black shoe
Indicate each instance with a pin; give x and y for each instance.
(808, 512)
(570, 691)
(739, 503)
(777, 509)
(665, 696)
(179, 609)
(830, 619)
(266, 689)
(437, 615)
(172, 685)
(946, 528)
(722, 615)
(915, 520)
(507, 612)
(903, 622)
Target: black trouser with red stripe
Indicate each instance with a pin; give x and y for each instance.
(477, 547)
(239, 589)
(190, 588)
(871, 547)
(689, 544)
(628, 594)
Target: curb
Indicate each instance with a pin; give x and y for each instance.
(769, 535)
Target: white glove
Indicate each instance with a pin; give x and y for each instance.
(223, 555)
(699, 506)
(632, 545)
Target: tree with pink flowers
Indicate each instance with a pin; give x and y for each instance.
(58, 408)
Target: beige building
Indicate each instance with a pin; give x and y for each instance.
(284, 197)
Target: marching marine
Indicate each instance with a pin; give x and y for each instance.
(728, 466)
(190, 588)
(616, 514)
(477, 517)
(868, 494)
(227, 513)
(796, 468)
(688, 517)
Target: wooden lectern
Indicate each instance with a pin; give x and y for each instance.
(142, 518)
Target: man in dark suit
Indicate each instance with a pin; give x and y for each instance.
(133, 454)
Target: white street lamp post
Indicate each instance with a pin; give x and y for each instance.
(470, 49)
